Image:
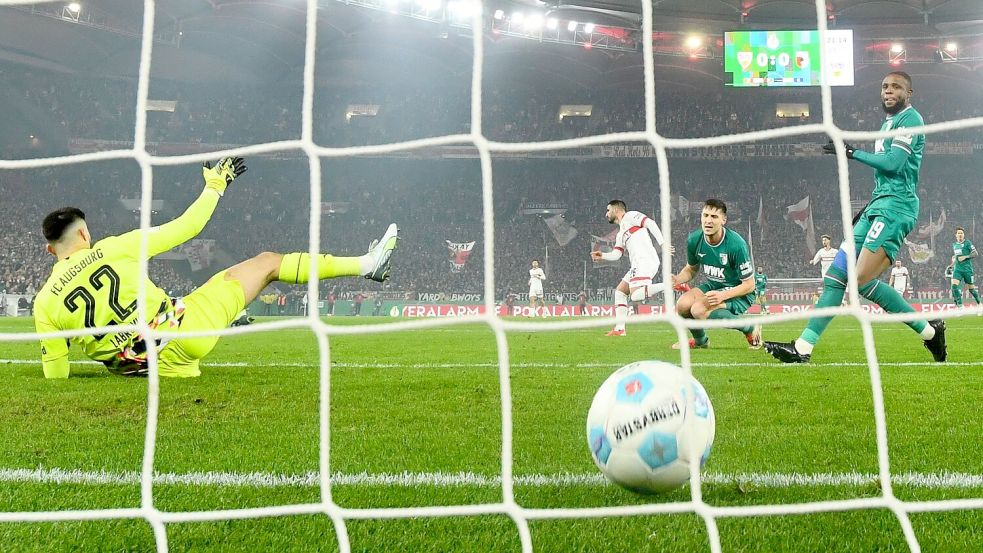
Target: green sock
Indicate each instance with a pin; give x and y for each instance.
(834, 286)
(976, 295)
(724, 313)
(699, 335)
(892, 302)
(295, 267)
(957, 295)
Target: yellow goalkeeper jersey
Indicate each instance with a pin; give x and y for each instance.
(98, 287)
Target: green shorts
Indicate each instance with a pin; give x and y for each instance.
(876, 230)
(212, 306)
(963, 275)
(736, 305)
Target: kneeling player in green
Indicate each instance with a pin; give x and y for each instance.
(963, 252)
(726, 263)
(96, 285)
(880, 228)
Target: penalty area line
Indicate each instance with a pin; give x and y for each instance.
(941, 480)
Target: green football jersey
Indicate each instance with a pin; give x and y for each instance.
(960, 249)
(727, 264)
(760, 283)
(896, 192)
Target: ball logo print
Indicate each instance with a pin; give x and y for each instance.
(640, 430)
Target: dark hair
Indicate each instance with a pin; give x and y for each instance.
(716, 204)
(55, 223)
(904, 76)
(618, 204)
(960, 228)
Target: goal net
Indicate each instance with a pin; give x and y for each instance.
(509, 507)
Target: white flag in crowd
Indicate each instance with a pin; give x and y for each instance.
(919, 253)
(801, 214)
(604, 244)
(932, 228)
(459, 254)
(200, 253)
(563, 231)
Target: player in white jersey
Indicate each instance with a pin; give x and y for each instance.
(635, 237)
(825, 256)
(899, 278)
(536, 278)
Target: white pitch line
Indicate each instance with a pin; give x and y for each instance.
(341, 365)
(943, 480)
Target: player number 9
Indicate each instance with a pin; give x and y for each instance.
(875, 230)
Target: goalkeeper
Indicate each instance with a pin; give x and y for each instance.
(96, 286)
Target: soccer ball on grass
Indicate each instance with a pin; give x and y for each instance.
(643, 422)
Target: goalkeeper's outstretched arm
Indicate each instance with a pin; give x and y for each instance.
(193, 220)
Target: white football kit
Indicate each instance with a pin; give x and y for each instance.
(536, 278)
(900, 278)
(635, 236)
(825, 257)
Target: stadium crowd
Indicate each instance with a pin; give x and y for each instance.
(100, 108)
(439, 200)
(435, 201)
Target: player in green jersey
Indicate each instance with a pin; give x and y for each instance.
(963, 252)
(880, 228)
(722, 256)
(760, 285)
(97, 286)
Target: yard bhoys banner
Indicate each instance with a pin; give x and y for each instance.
(459, 254)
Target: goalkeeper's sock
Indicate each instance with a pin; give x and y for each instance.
(724, 313)
(976, 295)
(957, 295)
(834, 286)
(892, 302)
(295, 267)
(620, 309)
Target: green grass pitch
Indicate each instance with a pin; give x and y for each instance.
(416, 421)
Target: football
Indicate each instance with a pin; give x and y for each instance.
(648, 422)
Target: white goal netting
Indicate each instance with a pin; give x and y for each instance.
(508, 506)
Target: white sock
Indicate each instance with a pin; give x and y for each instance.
(647, 291)
(365, 263)
(620, 309)
(803, 347)
(928, 332)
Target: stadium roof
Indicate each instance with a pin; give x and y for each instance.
(943, 13)
(263, 40)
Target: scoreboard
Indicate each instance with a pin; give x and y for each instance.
(787, 58)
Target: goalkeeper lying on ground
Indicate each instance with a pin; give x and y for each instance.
(93, 286)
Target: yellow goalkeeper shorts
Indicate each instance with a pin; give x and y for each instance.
(212, 306)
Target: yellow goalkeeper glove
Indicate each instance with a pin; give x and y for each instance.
(225, 171)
